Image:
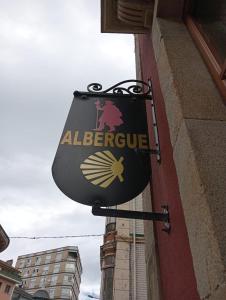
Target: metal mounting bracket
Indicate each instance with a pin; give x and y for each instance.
(136, 91)
(131, 214)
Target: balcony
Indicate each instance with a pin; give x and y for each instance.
(126, 16)
(11, 275)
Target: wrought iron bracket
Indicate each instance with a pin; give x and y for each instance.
(131, 214)
(155, 125)
(137, 90)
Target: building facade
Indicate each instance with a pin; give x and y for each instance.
(180, 46)
(123, 257)
(9, 276)
(58, 271)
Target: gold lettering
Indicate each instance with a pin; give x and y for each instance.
(88, 138)
(67, 138)
(143, 141)
(76, 142)
(98, 139)
(120, 140)
(131, 144)
(108, 140)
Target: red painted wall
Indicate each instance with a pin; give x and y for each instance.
(177, 278)
(4, 282)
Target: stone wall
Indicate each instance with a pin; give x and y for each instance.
(197, 121)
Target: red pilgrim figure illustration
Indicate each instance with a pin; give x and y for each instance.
(111, 116)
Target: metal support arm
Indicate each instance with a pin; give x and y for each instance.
(130, 214)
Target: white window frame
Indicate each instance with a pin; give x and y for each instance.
(65, 294)
(69, 269)
(59, 256)
(56, 268)
(48, 258)
(54, 279)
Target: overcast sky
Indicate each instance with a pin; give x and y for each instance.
(48, 49)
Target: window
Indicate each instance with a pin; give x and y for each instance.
(24, 283)
(65, 293)
(28, 262)
(56, 268)
(42, 282)
(35, 271)
(70, 267)
(7, 289)
(58, 256)
(54, 280)
(0, 284)
(45, 270)
(51, 292)
(21, 264)
(26, 272)
(32, 283)
(48, 258)
(37, 260)
(206, 21)
(68, 279)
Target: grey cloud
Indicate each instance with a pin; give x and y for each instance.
(47, 50)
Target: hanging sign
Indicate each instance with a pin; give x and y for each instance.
(103, 156)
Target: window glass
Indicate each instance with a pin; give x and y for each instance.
(48, 258)
(70, 267)
(21, 264)
(0, 285)
(42, 282)
(56, 268)
(51, 292)
(7, 289)
(32, 283)
(54, 279)
(24, 283)
(26, 272)
(211, 17)
(38, 260)
(35, 271)
(65, 293)
(68, 279)
(45, 270)
(58, 256)
(28, 262)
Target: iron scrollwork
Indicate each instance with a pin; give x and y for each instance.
(138, 88)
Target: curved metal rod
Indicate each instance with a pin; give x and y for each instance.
(119, 90)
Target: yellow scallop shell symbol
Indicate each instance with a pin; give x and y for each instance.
(102, 168)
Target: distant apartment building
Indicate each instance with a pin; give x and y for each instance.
(123, 257)
(57, 271)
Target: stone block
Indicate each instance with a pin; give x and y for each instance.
(122, 264)
(123, 246)
(122, 223)
(121, 274)
(200, 160)
(121, 295)
(187, 86)
(122, 285)
(122, 254)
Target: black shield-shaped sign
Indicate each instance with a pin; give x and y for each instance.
(103, 156)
